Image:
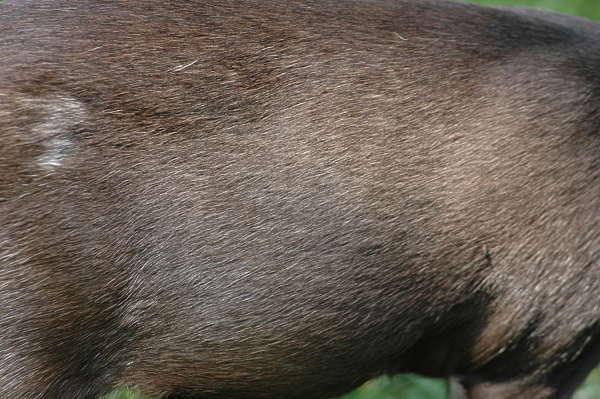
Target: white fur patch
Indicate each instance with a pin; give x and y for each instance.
(58, 116)
(57, 151)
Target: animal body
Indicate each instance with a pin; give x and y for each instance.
(281, 199)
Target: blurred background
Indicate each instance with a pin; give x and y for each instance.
(414, 387)
(583, 8)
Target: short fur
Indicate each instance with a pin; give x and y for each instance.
(281, 199)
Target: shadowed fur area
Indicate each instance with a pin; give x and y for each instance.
(263, 199)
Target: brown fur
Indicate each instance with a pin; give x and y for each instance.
(282, 199)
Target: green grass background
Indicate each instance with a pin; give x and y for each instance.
(415, 387)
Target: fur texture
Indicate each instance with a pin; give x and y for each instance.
(281, 199)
